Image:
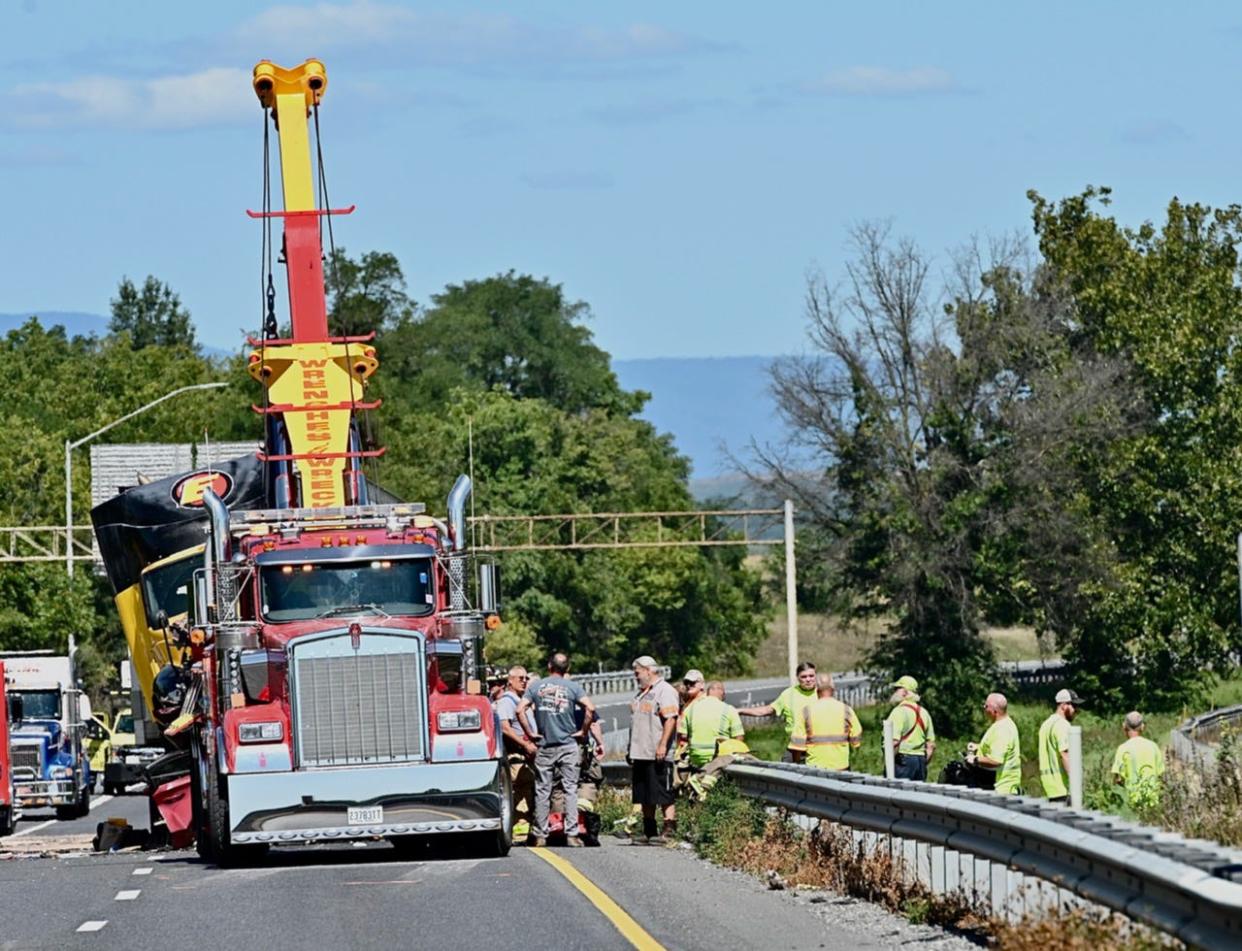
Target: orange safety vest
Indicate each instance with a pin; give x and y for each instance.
(828, 729)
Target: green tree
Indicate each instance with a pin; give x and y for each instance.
(927, 452)
(686, 605)
(1165, 499)
(509, 331)
(367, 295)
(152, 316)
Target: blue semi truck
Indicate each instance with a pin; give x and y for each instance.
(47, 738)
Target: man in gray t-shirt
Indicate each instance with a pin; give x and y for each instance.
(554, 700)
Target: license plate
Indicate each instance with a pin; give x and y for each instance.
(365, 815)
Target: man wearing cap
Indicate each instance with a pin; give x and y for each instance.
(1054, 736)
(705, 723)
(1139, 764)
(520, 751)
(914, 735)
(653, 723)
(1000, 748)
(790, 706)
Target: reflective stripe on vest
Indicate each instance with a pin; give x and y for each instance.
(841, 715)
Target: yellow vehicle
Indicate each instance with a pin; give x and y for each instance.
(98, 745)
(160, 597)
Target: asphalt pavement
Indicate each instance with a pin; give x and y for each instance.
(43, 822)
(370, 896)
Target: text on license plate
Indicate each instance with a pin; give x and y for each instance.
(365, 815)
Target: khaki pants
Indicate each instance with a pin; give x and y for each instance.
(523, 779)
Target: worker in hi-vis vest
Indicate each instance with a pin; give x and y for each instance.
(828, 729)
(1139, 764)
(914, 735)
(705, 723)
(1054, 736)
(789, 706)
(999, 749)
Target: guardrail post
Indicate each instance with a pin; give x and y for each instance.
(890, 756)
(1075, 767)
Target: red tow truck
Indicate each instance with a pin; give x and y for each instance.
(329, 683)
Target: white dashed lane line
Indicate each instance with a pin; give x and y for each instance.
(128, 894)
(143, 871)
(92, 925)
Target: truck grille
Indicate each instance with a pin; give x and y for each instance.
(27, 760)
(356, 707)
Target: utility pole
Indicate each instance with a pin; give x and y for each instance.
(791, 590)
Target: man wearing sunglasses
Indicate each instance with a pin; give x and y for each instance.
(519, 751)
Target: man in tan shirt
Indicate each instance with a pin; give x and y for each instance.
(653, 723)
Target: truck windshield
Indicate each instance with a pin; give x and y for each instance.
(40, 704)
(124, 723)
(167, 589)
(299, 592)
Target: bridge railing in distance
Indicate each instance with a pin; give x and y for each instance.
(1015, 855)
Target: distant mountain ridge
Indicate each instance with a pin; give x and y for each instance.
(713, 406)
(76, 323)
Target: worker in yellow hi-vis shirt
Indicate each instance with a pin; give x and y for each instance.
(999, 749)
(914, 736)
(789, 706)
(1054, 734)
(1139, 764)
(828, 729)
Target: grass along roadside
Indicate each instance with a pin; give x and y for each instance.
(835, 646)
(738, 832)
(1213, 812)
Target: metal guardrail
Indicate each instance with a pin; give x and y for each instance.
(612, 681)
(959, 840)
(1196, 741)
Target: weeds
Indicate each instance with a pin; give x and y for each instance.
(736, 831)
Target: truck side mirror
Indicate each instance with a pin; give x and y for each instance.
(161, 618)
(489, 588)
(16, 707)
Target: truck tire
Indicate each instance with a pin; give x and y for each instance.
(212, 818)
(83, 808)
(8, 820)
(497, 844)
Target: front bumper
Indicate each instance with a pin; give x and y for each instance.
(312, 805)
(40, 792)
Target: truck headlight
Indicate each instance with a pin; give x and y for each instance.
(61, 772)
(452, 721)
(268, 732)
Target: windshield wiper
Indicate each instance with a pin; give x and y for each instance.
(349, 608)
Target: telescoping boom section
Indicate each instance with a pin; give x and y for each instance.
(329, 688)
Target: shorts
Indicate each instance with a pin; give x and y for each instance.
(652, 782)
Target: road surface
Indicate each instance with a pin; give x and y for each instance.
(367, 895)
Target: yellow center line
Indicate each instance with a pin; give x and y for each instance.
(630, 929)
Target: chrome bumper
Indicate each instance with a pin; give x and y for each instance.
(56, 792)
(312, 805)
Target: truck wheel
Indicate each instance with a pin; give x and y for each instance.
(8, 820)
(83, 808)
(65, 813)
(497, 844)
(213, 836)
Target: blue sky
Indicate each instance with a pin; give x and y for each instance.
(678, 166)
